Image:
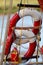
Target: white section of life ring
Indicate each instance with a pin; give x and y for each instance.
(27, 34)
(27, 11)
(23, 48)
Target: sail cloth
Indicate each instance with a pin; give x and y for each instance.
(41, 4)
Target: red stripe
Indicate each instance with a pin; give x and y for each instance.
(36, 23)
(13, 22)
(31, 50)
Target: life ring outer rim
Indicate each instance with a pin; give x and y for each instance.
(14, 20)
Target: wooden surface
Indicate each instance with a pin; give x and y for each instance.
(24, 64)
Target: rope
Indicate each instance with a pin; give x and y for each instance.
(14, 27)
(20, 38)
(19, 6)
(38, 46)
(6, 31)
(21, 30)
(27, 38)
(27, 28)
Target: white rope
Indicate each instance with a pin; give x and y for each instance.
(6, 32)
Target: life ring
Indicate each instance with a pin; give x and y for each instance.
(12, 36)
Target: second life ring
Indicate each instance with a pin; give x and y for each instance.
(11, 33)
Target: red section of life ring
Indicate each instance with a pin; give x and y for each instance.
(14, 55)
(31, 50)
(12, 36)
(36, 23)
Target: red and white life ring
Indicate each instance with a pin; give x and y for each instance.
(12, 36)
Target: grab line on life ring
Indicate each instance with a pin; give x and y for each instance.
(12, 36)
